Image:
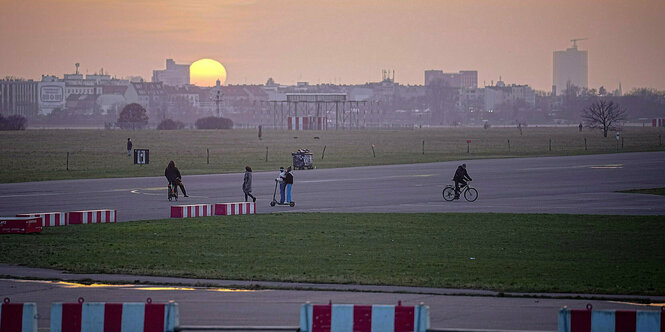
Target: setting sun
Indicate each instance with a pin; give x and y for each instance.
(206, 72)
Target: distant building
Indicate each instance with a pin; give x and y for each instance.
(570, 67)
(467, 79)
(19, 97)
(501, 93)
(173, 75)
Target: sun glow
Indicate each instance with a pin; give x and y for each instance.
(206, 72)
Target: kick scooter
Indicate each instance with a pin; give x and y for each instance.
(275, 202)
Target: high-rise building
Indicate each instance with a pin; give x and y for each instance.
(173, 75)
(570, 67)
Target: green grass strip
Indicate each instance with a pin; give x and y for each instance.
(502, 252)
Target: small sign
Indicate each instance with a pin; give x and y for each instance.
(468, 141)
(141, 156)
(618, 135)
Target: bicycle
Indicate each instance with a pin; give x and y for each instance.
(469, 193)
(173, 191)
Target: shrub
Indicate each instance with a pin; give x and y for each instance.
(133, 116)
(212, 122)
(13, 122)
(169, 124)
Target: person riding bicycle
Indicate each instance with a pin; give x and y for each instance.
(173, 175)
(460, 178)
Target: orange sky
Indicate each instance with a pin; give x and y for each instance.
(340, 41)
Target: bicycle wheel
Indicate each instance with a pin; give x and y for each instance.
(471, 194)
(448, 193)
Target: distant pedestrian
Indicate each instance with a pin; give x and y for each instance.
(282, 185)
(288, 179)
(247, 184)
(129, 146)
(580, 126)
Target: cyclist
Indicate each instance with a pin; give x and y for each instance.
(173, 175)
(460, 178)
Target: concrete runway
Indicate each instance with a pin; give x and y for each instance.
(578, 184)
(277, 304)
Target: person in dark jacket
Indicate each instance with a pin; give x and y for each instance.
(460, 178)
(129, 146)
(288, 180)
(247, 184)
(173, 175)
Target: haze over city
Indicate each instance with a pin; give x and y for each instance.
(341, 42)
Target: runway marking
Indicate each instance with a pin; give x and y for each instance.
(641, 304)
(68, 284)
(365, 179)
(611, 166)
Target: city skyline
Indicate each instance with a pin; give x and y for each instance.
(342, 42)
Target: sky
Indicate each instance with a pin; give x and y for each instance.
(340, 41)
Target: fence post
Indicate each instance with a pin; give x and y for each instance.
(585, 149)
(509, 145)
(324, 152)
(660, 140)
(423, 146)
(550, 145)
(373, 153)
(266, 154)
(621, 142)
(208, 156)
(67, 160)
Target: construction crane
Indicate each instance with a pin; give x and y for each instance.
(576, 40)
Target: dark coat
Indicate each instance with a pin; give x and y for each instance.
(172, 173)
(461, 174)
(289, 178)
(129, 145)
(247, 182)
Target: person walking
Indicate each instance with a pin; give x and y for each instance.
(247, 184)
(288, 180)
(282, 185)
(129, 146)
(173, 175)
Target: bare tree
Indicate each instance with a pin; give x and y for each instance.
(603, 114)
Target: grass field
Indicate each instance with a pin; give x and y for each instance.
(503, 252)
(35, 155)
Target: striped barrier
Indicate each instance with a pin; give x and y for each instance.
(20, 225)
(363, 318)
(190, 211)
(587, 320)
(48, 218)
(227, 209)
(114, 317)
(20, 317)
(92, 217)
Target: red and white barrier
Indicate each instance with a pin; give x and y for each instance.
(228, 209)
(114, 317)
(611, 320)
(349, 317)
(20, 225)
(190, 211)
(49, 218)
(307, 123)
(658, 122)
(92, 216)
(18, 316)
